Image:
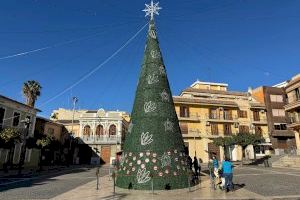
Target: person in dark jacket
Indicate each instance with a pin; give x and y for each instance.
(190, 162)
(196, 165)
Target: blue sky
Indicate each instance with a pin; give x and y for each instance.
(240, 42)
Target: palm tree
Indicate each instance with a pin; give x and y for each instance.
(31, 90)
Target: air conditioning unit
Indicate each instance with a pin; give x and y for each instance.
(207, 123)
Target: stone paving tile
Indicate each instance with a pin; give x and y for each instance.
(48, 187)
(202, 191)
(270, 186)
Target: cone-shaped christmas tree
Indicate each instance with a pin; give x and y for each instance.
(154, 147)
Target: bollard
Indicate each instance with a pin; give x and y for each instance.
(109, 173)
(152, 185)
(114, 179)
(97, 175)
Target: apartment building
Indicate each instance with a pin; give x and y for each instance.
(274, 99)
(293, 108)
(208, 110)
(12, 113)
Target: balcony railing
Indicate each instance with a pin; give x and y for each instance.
(113, 139)
(295, 118)
(259, 120)
(292, 105)
(190, 117)
(224, 117)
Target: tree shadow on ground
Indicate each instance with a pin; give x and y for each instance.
(20, 181)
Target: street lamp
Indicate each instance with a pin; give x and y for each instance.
(196, 132)
(75, 100)
(27, 123)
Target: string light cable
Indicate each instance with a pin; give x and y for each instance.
(96, 68)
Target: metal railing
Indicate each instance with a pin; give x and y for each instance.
(191, 116)
(295, 118)
(101, 139)
(259, 119)
(214, 116)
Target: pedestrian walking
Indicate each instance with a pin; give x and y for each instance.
(190, 162)
(216, 166)
(227, 169)
(196, 165)
(210, 167)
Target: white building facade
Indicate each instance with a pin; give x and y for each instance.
(104, 131)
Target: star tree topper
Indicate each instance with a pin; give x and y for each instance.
(151, 9)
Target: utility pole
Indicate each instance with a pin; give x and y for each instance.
(27, 123)
(75, 100)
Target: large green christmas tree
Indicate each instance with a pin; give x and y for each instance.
(154, 147)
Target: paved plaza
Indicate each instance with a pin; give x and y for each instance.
(250, 183)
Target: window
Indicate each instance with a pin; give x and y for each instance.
(258, 130)
(214, 129)
(28, 118)
(50, 131)
(112, 130)
(184, 128)
(184, 111)
(99, 130)
(278, 112)
(242, 113)
(16, 119)
(227, 129)
(297, 91)
(276, 98)
(256, 115)
(227, 114)
(244, 129)
(2, 113)
(87, 130)
(280, 127)
(213, 113)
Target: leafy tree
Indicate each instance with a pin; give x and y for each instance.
(223, 141)
(8, 138)
(31, 91)
(43, 143)
(245, 139)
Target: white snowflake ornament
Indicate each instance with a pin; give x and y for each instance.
(165, 96)
(149, 106)
(169, 126)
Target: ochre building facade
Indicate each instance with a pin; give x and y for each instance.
(208, 110)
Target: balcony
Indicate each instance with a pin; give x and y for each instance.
(294, 121)
(292, 106)
(113, 139)
(221, 118)
(191, 117)
(259, 120)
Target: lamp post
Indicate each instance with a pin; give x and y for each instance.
(27, 123)
(196, 132)
(75, 100)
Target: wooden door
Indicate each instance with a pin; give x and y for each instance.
(105, 154)
(213, 150)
